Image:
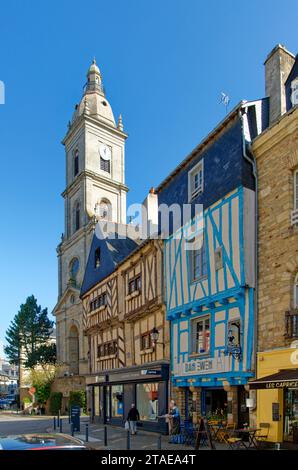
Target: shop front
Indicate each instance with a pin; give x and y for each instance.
(277, 393)
(146, 386)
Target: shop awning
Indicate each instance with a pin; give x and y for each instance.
(283, 379)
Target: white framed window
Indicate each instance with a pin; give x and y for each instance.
(196, 181)
(296, 292)
(294, 94)
(198, 262)
(218, 261)
(200, 328)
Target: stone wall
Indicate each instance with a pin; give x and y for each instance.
(65, 385)
(277, 157)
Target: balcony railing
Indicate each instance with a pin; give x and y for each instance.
(294, 217)
(291, 323)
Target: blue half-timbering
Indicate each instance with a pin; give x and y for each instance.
(225, 295)
(220, 300)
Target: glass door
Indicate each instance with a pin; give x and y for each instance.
(291, 415)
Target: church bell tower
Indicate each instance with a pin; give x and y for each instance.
(95, 188)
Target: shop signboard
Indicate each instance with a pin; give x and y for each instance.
(202, 366)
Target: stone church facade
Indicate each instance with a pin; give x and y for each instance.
(95, 189)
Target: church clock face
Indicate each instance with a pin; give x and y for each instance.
(105, 152)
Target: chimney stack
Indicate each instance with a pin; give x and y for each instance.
(277, 68)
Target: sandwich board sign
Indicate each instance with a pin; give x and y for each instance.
(75, 413)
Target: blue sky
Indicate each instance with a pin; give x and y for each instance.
(164, 64)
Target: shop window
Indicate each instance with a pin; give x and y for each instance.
(117, 401)
(134, 284)
(147, 401)
(201, 335)
(291, 415)
(146, 342)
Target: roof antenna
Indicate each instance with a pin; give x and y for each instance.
(225, 100)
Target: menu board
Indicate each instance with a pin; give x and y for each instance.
(275, 412)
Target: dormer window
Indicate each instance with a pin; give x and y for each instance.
(196, 181)
(97, 258)
(294, 94)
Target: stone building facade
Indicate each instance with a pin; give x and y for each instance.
(95, 189)
(275, 391)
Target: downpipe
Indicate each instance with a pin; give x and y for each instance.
(251, 160)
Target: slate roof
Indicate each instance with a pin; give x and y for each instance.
(112, 252)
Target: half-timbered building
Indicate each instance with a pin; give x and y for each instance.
(210, 270)
(127, 332)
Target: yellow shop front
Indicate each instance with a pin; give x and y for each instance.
(277, 393)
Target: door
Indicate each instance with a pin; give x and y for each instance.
(243, 411)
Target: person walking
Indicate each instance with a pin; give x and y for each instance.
(174, 420)
(132, 418)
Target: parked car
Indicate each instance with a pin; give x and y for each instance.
(41, 442)
(8, 401)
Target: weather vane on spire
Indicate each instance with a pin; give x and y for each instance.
(225, 100)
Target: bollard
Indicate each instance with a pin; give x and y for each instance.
(54, 423)
(105, 436)
(87, 432)
(60, 425)
(72, 429)
(159, 442)
(128, 440)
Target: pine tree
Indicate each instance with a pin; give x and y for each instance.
(29, 330)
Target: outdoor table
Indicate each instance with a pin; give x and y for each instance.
(215, 428)
(251, 433)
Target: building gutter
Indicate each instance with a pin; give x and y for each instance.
(252, 161)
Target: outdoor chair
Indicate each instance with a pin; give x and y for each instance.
(262, 434)
(224, 433)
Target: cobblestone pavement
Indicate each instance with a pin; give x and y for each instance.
(117, 438)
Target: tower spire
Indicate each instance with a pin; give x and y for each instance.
(94, 79)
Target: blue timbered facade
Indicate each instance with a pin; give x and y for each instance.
(210, 283)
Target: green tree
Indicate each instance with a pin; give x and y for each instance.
(14, 341)
(43, 355)
(29, 330)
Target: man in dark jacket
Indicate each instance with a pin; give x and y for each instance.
(132, 417)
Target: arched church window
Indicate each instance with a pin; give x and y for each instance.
(76, 163)
(74, 268)
(97, 258)
(77, 217)
(73, 350)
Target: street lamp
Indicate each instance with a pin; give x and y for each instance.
(154, 334)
